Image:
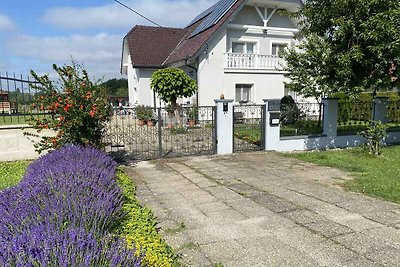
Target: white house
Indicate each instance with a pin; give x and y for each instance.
(231, 49)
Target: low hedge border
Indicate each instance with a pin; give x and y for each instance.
(139, 227)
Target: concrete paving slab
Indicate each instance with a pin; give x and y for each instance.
(328, 228)
(261, 209)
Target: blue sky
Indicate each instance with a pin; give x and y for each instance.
(36, 34)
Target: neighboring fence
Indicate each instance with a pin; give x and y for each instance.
(341, 124)
(301, 119)
(354, 116)
(16, 98)
(394, 115)
(150, 133)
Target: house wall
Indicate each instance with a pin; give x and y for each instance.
(144, 92)
(140, 93)
(215, 80)
(132, 85)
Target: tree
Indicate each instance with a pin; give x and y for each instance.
(116, 87)
(346, 46)
(171, 84)
(307, 69)
(78, 109)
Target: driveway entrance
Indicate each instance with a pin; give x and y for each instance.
(262, 209)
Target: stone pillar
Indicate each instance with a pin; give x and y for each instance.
(272, 129)
(224, 126)
(330, 119)
(380, 110)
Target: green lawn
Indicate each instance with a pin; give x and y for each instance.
(249, 132)
(374, 176)
(17, 120)
(11, 173)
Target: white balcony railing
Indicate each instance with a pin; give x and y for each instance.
(253, 62)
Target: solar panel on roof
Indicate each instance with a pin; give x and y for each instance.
(217, 12)
(202, 15)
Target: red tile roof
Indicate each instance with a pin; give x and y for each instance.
(160, 47)
(150, 46)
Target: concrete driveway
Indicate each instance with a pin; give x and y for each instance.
(262, 209)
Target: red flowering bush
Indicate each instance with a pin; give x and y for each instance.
(78, 109)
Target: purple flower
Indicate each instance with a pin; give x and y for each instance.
(62, 211)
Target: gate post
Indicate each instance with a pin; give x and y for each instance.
(331, 114)
(272, 130)
(381, 109)
(224, 126)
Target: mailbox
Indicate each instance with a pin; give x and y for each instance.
(275, 118)
(226, 107)
(274, 105)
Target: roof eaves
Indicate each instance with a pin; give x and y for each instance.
(138, 66)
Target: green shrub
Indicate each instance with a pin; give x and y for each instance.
(139, 227)
(179, 130)
(192, 113)
(144, 112)
(290, 112)
(365, 97)
(374, 135)
(11, 173)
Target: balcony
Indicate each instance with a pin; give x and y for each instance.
(248, 62)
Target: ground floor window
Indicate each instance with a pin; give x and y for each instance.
(243, 93)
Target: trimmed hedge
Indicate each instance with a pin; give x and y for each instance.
(139, 227)
(62, 211)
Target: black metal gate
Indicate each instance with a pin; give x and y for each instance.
(145, 133)
(248, 128)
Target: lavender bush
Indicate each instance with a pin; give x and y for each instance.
(45, 245)
(61, 213)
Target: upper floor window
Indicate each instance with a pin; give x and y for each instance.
(243, 47)
(277, 47)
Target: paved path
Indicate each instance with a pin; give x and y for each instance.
(261, 209)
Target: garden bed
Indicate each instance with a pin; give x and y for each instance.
(84, 215)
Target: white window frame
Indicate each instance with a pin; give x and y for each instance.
(256, 42)
(278, 42)
(251, 93)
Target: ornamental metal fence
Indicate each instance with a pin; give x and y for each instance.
(394, 115)
(248, 128)
(16, 98)
(145, 133)
(298, 119)
(354, 116)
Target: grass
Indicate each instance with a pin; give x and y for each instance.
(13, 120)
(375, 176)
(176, 230)
(11, 173)
(19, 119)
(248, 132)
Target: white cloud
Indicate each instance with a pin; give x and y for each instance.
(6, 23)
(165, 12)
(99, 53)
